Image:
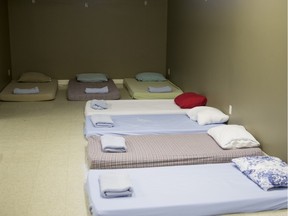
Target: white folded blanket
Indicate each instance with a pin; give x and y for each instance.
(113, 143)
(98, 104)
(34, 90)
(159, 89)
(102, 121)
(115, 185)
(96, 90)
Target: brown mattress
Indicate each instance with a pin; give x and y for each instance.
(47, 90)
(76, 90)
(163, 150)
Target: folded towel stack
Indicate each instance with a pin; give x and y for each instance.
(96, 90)
(159, 89)
(98, 104)
(102, 121)
(113, 143)
(34, 90)
(115, 185)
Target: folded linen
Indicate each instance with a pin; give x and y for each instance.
(115, 185)
(159, 89)
(102, 121)
(34, 90)
(96, 90)
(113, 143)
(98, 104)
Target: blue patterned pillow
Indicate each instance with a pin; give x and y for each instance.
(266, 171)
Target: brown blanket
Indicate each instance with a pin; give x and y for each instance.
(76, 90)
(163, 150)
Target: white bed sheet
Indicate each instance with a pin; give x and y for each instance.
(134, 107)
(147, 124)
(213, 189)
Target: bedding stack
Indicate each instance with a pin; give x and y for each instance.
(89, 86)
(138, 149)
(209, 189)
(151, 85)
(31, 86)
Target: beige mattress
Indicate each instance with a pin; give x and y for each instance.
(163, 150)
(47, 90)
(138, 89)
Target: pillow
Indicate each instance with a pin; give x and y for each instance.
(150, 76)
(34, 77)
(190, 100)
(266, 171)
(91, 77)
(207, 115)
(232, 137)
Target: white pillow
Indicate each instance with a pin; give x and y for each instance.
(232, 137)
(207, 115)
(34, 77)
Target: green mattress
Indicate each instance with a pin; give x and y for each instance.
(138, 89)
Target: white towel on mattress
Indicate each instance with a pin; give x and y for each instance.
(96, 90)
(102, 121)
(98, 104)
(159, 89)
(34, 90)
(115, 185)
(113, 143)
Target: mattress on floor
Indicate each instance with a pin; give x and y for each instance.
(135, 107)
(138, 89)
(76, 90)
(163, 150)
(209, 189)
(147, 124)
(47, 91)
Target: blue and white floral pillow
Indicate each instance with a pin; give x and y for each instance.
(266, 171)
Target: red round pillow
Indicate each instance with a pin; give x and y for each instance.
(190, 100)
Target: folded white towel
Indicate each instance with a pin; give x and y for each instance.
(34, 90)
(96, 90)
(159, 89)
(113, 143)
(98, 104)
(102, 121)
(115, 185)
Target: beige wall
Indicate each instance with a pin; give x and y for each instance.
(4, 44)
(63, 37)
(234, 52)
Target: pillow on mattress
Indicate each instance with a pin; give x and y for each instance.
(232, 137)
(207, 115)
(266, 171)
(150, 76)
(91, 77)
(34, 77)
(190, 100)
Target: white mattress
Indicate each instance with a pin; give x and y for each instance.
(213, 189)
(134, 107)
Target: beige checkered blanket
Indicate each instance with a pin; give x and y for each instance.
(163, 150)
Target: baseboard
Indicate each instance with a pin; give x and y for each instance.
(63, 82)
(118, 81)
